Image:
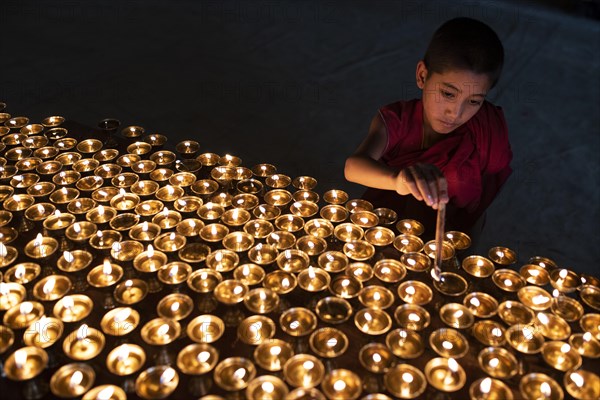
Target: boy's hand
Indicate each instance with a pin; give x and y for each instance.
(425, 182)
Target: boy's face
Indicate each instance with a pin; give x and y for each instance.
(450, 98)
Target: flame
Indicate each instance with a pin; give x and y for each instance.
(407, 377)
(77, 227)
(540, 299)
(285, 282)
(500, 254)
(268, 387)
(162, 330)
(414, 317)
(203, 356)
(240, 373)
(565, 348)
(26, 307)
(3, 289)
(101, 209)
(20, 271)
(411, 290)
(123, 352)
(20, 358)
(150, 251)
(377, 357)
(543, 318)
(563, 273)
(587, 336)
(122, 315)
(497, 332)
(3, 250)
(167, 376)
(458, 314)
(452, 365)
(49, 286)
(447, 345)
(494, 362)
(376, 296)
(39, 239)
(332, 342)
(508, 282)
(339, 385)
(485, 385)
(82, 332)
(175, 306)
(68, 302)
(545, 389)
(105, 394)
(577, 379)
(106, 267)
(475, 302)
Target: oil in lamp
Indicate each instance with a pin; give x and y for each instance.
(389, 270)
(52, 287)
(256, 329)
(456, 315)
(333, 310)
(412, 316)
(175, 306)
(156, 382)
(582, 384)
(282, 240)
(488, 388)
(272, 354)
(21, 273)
(450, 284)
(514, 312)
(448, 342)
(405, 343)
(560, 355)
(120, 321)
(44, 332)
(24, 365)
(445, 374)
(304, 208)
(360, 270)
(565, 307)
(278, 181)
(334, 213)
(478, 266)
(372, 321)
(303, 371)
(345, 286)
(105, 392)
(328, 342)
(564, 280)
(405, 381)
(205, 329)
(525, 339)
(341, 384)
(234, 373)
(298, 321)
(161, 332)
(261, 300)
(407, 243)
(262, 254)
(481, 304)
(73, 308)
(131, 291)
(536, 385)
(23, 314)
(552, 326)
(204, 280)
(375, 296)
(585, 344)
(498, 362)
(313, 279)
(415, 292)
(11, 294)
(84, 343)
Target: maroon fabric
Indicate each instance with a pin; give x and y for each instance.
(474, 158)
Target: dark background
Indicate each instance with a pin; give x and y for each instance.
(295, 84)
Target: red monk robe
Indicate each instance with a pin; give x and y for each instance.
(474, 158)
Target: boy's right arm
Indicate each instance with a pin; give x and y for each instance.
(423, 181)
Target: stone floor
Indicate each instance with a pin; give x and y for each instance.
(295, 84)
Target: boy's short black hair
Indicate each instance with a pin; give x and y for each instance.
(465, 44)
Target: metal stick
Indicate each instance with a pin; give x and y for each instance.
(439, 241)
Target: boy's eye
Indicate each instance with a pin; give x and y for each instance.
(475, 102)
(447, 94)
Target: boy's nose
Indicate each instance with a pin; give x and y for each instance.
(453, 112)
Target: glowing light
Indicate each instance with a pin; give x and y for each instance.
(20, 358)
(485, 385)
(76, 379)
(167, 376)
(339, 385)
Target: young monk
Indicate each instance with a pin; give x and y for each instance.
(451, 146)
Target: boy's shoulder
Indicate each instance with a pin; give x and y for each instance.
(488, 116)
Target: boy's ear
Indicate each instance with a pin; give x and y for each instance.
(421, 74)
